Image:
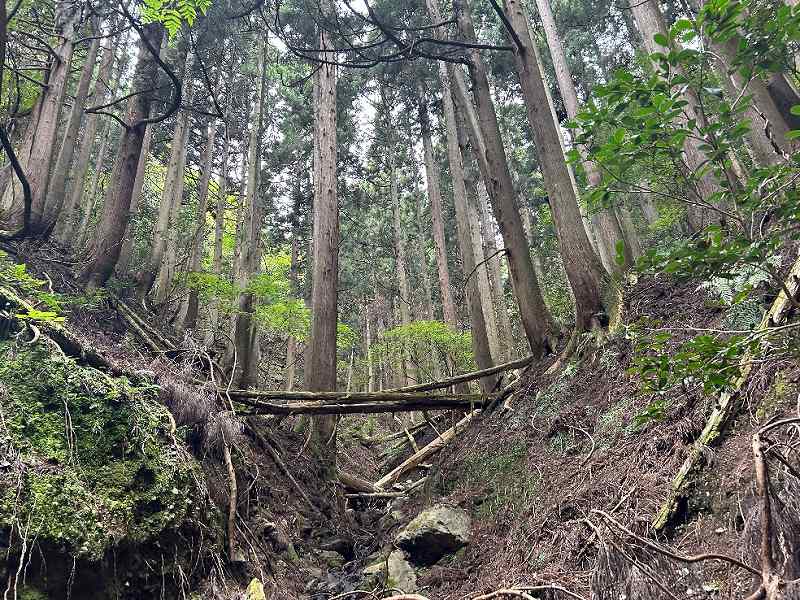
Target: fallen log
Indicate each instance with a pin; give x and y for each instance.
(414, 460)
(322, 407)
(374, 495)
(253, 396)
(153, 338)
(351, 482)
(726, 406)
(466, 377)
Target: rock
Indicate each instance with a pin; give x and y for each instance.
(340, 545)
(435, 532)
(373, 575)
(331, 558)
(255, 591)
(400, 572)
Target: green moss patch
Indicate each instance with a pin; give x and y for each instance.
(90, 460)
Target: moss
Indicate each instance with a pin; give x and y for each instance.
(97, 461)
(780, 392)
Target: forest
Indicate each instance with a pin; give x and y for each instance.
(399, 299)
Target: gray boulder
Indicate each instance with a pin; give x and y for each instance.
(400, 572)
(434, 532)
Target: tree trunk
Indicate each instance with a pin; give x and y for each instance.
(90, 201)
(36, 154)
(199, 241)
(650, 22)
(605, 222)
(495, 277)
(320, 370)
(433, 178)
(422, 255)
(58, 181)
(584, 271)
(126, 253)
(488, 148)
(368, 350)
(244, 328)
(115, 215)
(404, 300)
(291, 343)
(219, 231)
(170, 198)
(480, 339)
(64, 231)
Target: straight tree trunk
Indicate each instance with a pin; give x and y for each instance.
(480, 340)
(320, 371)
(432, 177)
(198, 243)
(114, 219)
(584, 271)
(170, 198)
(244, 327)
(219, 231)
(291, 343)
(102, 87)
(422, 256)
(126, 253)
(58, 181)
(36, 154)
(493, 264)
(404, 300)
(491, 156)
(605, 222)
(368, 350)
(90, 201)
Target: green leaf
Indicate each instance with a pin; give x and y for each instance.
(661, 39)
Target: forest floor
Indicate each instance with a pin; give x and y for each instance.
(571, 443)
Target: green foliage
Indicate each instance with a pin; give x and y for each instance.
(102, 466)
(635, 128)
(16, 276)
(421, 341)
(174, 13)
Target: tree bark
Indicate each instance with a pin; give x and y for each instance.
(584, 271)
(488, 148)
(219, 231)
(404, 300)
(422, 255)
(58, 181)
(189, 320)
(126, 253)
(157, 272)
(493, 263)
(81, 232)
(432, 177)
(102, 87)
(36, 154)
(320, 369)
(115, 215)
(605, 222)
(480, 339)
(244, 327)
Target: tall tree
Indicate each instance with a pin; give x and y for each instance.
(244, 331)
(320, 368)
(36, 152)
(156, 272)
(584, 271)
(606, 224)
(432, 177)
(487, 146)
(115, 216)
(57, 191)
